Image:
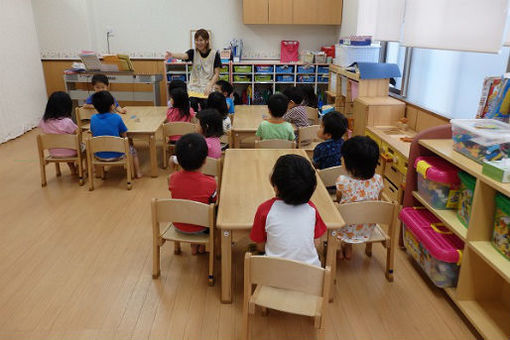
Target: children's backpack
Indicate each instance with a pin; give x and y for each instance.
(289, 51)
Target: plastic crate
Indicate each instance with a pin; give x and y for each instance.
(241, 78)
(264, 68)
(263, 78)
(224, 69)
(322, 69)
(305, 79)
(306, 69)
(322, 79)
(171, 77)
(285, 78)
(223, 77)
(284, 69)
(242, 68)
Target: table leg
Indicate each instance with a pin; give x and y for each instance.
(226, 266)
(331, 260)
(154, 159)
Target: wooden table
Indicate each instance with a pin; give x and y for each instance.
(245, 185)
(143, 122)
(247, 119)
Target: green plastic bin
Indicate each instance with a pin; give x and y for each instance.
(501, 234)
(467, 190)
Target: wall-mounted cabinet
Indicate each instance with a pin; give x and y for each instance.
(303, 12)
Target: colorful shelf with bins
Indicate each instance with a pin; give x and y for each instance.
(483, 289)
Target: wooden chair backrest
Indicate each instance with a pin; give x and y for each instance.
(379, 212)
(108, 143)
(307, 134)
(285, 274)
(313, 115)
(165, 210)
(84, 114)
(178, 129)
(329, 176)
(212, 167)
(64, 141)
(275, 144)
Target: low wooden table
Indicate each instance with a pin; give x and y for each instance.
(247, 119)
(143, 122)
(244, 187)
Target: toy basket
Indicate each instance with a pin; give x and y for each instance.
(438, 182)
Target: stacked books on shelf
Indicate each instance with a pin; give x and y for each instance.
(495, 99)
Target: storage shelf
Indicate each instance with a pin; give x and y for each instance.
(263, 82)
(305, 82)
(444, 148)
(490, 318)
(448, 217)
(265, 73)
(284, 82)
(242, 73)
(242, 82)
(497, 261)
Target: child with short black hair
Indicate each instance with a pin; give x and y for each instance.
(309, 97)
(189, 183)
(296, 113)
(217, 101)
(107, 123)
(226, 89)
(179, 110)
(276, 127)
(360, 155)
(329, 152)
(100, 82)
(211, 127)
(57, 120)
(286, 225)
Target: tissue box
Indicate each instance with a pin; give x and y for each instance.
(497, 170)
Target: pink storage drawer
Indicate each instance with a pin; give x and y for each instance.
(432, 245)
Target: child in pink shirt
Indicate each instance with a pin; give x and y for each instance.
(180, 111)
(57, 120)
(211, 127)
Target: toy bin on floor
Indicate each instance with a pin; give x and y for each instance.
(438, 182)
(481, 139)
(466, 192)
(501, 234)
(436, 249)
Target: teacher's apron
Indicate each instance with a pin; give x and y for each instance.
(201, 72)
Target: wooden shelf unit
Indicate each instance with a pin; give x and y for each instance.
(483, 289)
(184, 68)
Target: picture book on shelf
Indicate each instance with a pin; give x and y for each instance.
(495, 99)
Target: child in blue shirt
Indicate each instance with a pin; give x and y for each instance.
(329, 152)
(226, 89)
(107, 123)
(100, 83)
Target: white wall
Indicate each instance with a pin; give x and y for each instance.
(148, 28)
(22, 89)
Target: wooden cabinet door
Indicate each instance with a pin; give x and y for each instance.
(255, 11)
(317, 12)
(280, 11)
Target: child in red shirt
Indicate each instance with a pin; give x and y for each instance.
(190, 183)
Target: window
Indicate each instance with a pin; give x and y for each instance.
(395, 54)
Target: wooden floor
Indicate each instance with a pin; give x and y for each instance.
(76, 264)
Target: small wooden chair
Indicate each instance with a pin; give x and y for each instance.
(83, 116)
(183, 211)
(379, 213)
(64, 141)
(285, 285)
(313, 115)
(328, 177)
(275, 144)
(307, 138)
(213, 167)
(174, 129)
(111, 144)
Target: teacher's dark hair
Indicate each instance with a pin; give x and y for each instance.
(202, 33)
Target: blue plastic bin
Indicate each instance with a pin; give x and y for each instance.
(284, 69)
(264, 68)
(306, 69)
(284, 78)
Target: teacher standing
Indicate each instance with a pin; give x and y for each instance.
(205, 71)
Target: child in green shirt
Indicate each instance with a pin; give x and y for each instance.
(275, 127)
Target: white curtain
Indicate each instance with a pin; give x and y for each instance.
(22, 87)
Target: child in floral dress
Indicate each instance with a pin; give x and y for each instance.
(360, 156)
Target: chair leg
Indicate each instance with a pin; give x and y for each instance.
(156, 254)
(211, 264)
(129, 174)
(177, 248)
(165, 157)
(390, 258)
(245, 328)
(90, 175)
(368, 249)
(103, 172)
(57, 169)
(97, 169)
(43, 174)
(80, 172)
